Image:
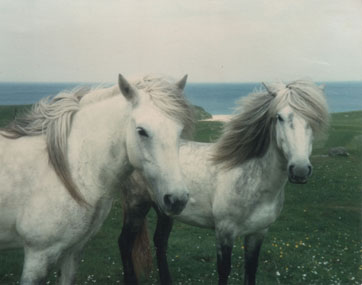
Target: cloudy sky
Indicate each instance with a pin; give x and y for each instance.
(211, 40)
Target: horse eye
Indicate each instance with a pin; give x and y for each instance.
(279, 118)
(142, 132)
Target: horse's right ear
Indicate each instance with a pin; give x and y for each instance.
(127, 89)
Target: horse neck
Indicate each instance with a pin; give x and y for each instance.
(96, 147)
(266, 173)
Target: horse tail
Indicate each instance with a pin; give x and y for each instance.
(135, 206)
(141, 252)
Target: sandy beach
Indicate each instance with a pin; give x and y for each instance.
(220, 118)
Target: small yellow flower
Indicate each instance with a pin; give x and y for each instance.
(296, 246)
(287, 244)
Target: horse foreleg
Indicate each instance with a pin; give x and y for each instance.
(160, 239)
(68, 268)
(253, 244)
(224, 262)
(36, 266)
(224, 246)
(132, 225)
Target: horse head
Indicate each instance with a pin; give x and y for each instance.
(299, 111)
(153, 137)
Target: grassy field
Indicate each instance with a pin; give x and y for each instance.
(317, 239)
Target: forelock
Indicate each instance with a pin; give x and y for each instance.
(169, 98)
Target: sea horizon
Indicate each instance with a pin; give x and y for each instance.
(216, 98)
(188, 82)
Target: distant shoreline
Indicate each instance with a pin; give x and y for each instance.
(218, 118)
(225, 118)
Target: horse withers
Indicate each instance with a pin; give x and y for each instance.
(63, 162)
(236, 184)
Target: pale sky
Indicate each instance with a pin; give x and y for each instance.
(211, 41)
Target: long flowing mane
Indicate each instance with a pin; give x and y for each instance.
(52, 118)
(249, 133)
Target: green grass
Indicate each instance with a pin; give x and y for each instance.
(316, 240)
(7, 113)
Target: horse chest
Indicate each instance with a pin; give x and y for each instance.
(248, 213)
(261, 216)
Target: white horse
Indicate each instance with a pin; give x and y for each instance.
(63, 162)
(237, 184)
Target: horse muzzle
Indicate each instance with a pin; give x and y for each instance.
(299, 174)
(174, 204)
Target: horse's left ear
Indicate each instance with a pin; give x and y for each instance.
(182, 83)
(127, 89)
(273, 88)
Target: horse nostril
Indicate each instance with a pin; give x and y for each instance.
(291, 167)
(167, 199)
(309, 170)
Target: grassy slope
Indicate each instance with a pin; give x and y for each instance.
(315, 241)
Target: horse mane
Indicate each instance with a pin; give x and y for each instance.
(51, 117)
(250, 131)
(247, 134)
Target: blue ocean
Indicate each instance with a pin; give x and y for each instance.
(216, 98)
